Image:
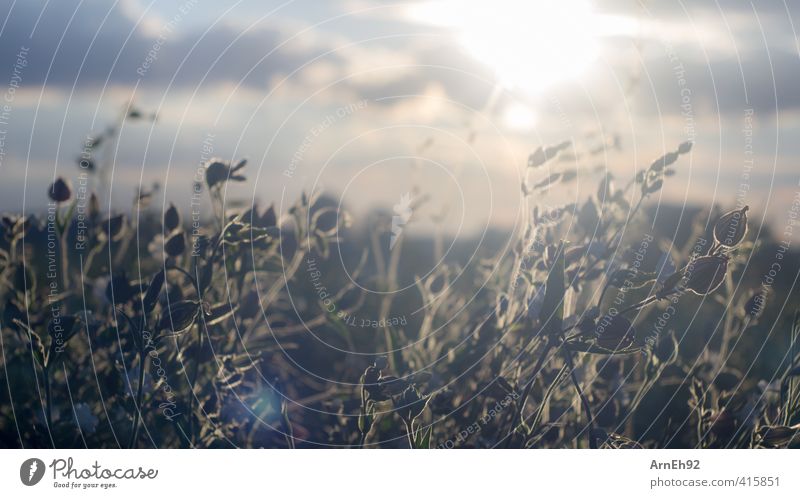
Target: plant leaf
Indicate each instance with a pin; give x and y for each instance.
(552, 312)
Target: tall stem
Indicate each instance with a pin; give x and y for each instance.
(409, 433)
(548, 345)
(584, 401)
(195, 374)
(62, 241)
(48, 399)
(137, 416)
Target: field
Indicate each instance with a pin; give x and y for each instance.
(616, 323)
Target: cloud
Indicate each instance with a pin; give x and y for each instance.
(90, 44)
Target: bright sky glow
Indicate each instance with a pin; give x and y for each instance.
(531, 44)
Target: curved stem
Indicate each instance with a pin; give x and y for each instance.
(640, 304)
(548, 345)
(584, 401)
(139, 398)
(550, 390)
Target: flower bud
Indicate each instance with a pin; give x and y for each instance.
(369, 382)
(410, 404)
(685, 147)
(178, 316)
(706, 273)
(175, 244)
(153, 290)
(731, 228)
(370, 376)
(614, 332)
(216, 172)
(172, 219)
(381, 362)
(219, 171)
(60, 190)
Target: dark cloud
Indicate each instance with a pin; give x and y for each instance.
(90, 43)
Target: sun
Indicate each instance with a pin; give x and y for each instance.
(529, 44)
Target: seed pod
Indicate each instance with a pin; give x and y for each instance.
(114, 227)
(175, 245)
(410, 404)
(381, 362)
(501, 306)
(370, 376)
(672, 281)
(60, 190)
(392, 385)
(706, 274)
(662, 162)
(216, 172)
(544, 154)
(153, 290)
(269, 219)
(119, 289)
(777, 435)
(369, 381)
(178, 317)
(614, 332)
(731, 228)
(755, 305)
(172, 219)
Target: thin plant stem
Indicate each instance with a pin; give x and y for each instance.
(195, 375)
(548, 345)
(548, 393)
(582, 396)
(48, 399)
(137, 416)
(409, 431)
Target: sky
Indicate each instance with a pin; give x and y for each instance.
(367, 101)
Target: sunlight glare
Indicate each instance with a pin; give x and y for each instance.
(530, 45)
(519, 117)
